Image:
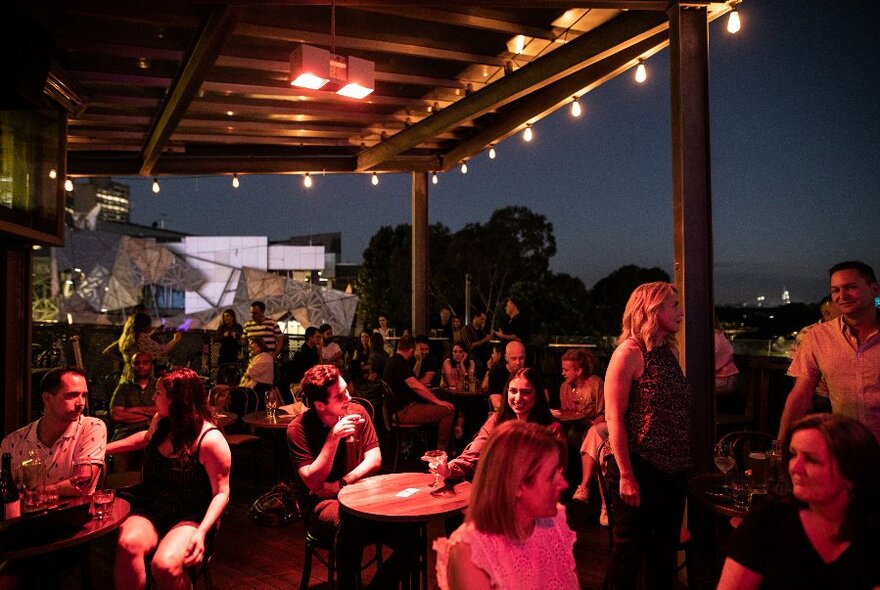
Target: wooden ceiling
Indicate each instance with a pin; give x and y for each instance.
(198, 88)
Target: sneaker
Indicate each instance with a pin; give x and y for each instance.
(603, 516)
(581, 494)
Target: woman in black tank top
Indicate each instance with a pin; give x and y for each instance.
(185, 485)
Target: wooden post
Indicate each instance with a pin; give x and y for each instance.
(16, 269)
(419, 253)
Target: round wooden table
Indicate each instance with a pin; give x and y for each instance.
(406, 497)
(568, 416)
(19, 546)
(260, 420)
(278, 427)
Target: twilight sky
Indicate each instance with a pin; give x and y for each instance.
(795, 135)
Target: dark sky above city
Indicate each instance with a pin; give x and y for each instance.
(795, 132)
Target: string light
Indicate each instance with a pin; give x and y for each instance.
(307, 181)
(575, 107)
(434, 178)
(733, 23)
(156, 187)
(491, 152)
(375, 179)
(464, 167)
(53, 174)
(235, 182)
(68, 185)
(527, 134)
(641, 72)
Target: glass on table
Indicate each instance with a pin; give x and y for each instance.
(434, 459)
(271, 403)
(742, 491)
(103, 502)
(724, 460)
(31, 476)
(82, 476)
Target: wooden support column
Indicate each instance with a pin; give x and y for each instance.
(419, 253)
(16, 269)
(692, 216)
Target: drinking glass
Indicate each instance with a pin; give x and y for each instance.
(742, 492)
(271, 403)
(434, 459)
(103, 500)
(724, 460)
(81, 477)
(356, 418)
(31, 482)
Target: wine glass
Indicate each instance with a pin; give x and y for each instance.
(271, 403)
(724, 460)
(434, 459)
(82, 476)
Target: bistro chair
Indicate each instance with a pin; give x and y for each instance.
(605, 455)
(229, 374)
(245, 399)
(400, 433)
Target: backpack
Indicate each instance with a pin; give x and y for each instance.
(280, 506)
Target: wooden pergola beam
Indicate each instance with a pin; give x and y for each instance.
(538, 103)
(218, 26)
(622, 32)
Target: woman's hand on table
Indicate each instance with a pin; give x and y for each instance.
(195, 550)
(629, 490)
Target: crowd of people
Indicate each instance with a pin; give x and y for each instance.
(823, 534)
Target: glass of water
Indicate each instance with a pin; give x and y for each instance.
(103, 501)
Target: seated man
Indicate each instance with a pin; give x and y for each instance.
(412, 402)
(63, 436)
(515, 359)
(132, 407)
(332, 445)
(424, 363)
(331, 353)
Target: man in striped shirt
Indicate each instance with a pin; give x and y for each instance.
(262, 327)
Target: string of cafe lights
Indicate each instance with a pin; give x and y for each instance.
(734, 24)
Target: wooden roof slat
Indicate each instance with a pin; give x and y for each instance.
(618, 34)
(217, 27)
(450, 17)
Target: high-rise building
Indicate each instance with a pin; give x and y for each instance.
(99, 199)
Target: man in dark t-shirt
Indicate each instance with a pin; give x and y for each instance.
(411, 401)
(305, 358)
(517, 327)
(515, 358)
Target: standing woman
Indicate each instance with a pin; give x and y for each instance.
(137, 337)
(229, 334)
(185, 486)
(647, 406)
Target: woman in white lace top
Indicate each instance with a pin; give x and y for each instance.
(515, 534)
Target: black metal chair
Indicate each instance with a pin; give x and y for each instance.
(400, 433)
(249, 403)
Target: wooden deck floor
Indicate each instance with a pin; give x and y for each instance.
(255, 557)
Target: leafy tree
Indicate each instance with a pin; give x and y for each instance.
(609, 296)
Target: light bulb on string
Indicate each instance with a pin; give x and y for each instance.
(53, 174)
(733, 23)
(375, 179)
(641, 72)
(156, 187)
(527, 134)
(492, 152)
(235, 182)
(434, 178)
(575, 107)
(464, 167)
(307, 181)
(68, 185)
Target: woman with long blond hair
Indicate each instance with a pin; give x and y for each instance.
(515, 534)
(647, 407)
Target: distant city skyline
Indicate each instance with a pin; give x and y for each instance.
(794, 129)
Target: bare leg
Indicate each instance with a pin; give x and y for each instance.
(137, 538)
(168, 568)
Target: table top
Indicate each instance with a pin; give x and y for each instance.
(259, 420)
(461, 393)
(567, 416)
(17, 548)
(702, 487)
(224, 418)
(404, 497)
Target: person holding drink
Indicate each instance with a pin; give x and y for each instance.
(185, 486)
(332, 445)
(44, 453)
